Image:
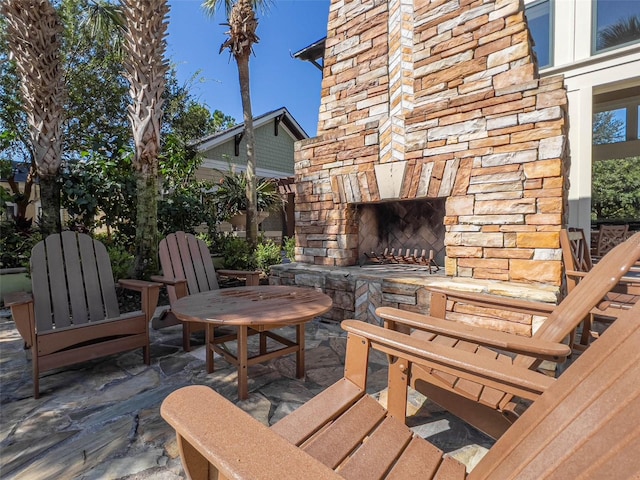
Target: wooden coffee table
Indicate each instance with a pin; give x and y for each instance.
(253, 310)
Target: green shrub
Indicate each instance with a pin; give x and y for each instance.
(16, 244)
(267, 254)
(122, 262)
(237, 254)
(290, 248)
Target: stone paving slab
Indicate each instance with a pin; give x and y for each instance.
(101, 419)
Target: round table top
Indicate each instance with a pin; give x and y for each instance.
(261, 305)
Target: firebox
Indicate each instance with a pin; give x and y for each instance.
(411, 229)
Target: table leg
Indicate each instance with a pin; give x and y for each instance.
(263, 343)
(243, 389)
(300, 352)
(208, 342)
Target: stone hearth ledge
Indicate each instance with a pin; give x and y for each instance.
(358, 290)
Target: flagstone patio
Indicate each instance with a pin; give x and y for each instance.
(101, 420)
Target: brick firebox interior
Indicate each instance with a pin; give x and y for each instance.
(438, 99)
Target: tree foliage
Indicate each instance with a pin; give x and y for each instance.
(616, 189)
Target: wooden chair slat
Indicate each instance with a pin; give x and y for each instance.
(91, 279)
(198, 258)
(170, 258)
(470, 389)
(442, 376)
(43, 309)
(107, 282)
(450, 468)
(57, 281)
(419, 460)
(375, 457)
(75, 281)
(186, 260)
(306, 420)
(207, 263)
(334, 443)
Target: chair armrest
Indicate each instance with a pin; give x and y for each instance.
(137, 285)
(168, 280)
(556, 352)
(21, 304)
(150, 293)
(510, 378)
(230, 439)
(13, 299)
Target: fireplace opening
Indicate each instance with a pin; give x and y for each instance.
(409, 230)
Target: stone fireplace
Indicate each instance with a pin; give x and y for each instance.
(410, 228)
(438, 104)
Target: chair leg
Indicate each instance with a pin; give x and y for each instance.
(36, 373)
(146, 353)
(300, 368)
(186, 336)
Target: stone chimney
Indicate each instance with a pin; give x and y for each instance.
(438, 99)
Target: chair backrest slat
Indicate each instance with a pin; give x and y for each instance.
(107, 282)
(40, 285)
(72, 281)
(57, 281)
(74, 278)
(91, 280)
(185, 256)
(201, 259)
(586, 424)
(576, 252)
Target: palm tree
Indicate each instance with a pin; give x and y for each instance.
(34, 34)
(625, 30)
(145, 68)
(242, 23)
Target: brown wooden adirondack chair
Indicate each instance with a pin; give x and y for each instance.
(577, 261)
(608, 237)
(584, 425)
(489, 409)
(73, 315)
(187, 268)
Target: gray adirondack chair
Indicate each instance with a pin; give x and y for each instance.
(73, 314)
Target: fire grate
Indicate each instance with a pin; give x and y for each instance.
(389, 256)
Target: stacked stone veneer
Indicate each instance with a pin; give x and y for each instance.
(432, 99)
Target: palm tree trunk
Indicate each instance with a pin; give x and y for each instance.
(252, 195)
(146, 68)
(34, 35)
(146, 223)
(50, 201)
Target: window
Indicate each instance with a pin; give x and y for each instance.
(616, 23)
(539, 21)
(610, 126)
(615, 176)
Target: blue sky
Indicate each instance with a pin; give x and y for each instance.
(277, 79)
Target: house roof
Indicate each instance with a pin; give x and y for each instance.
(20, 172)
(280, 116)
